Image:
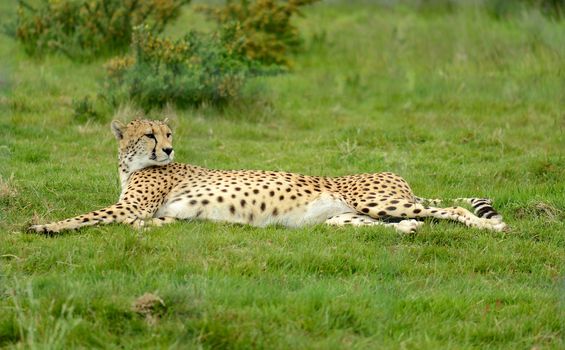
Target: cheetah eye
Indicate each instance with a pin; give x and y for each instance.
(150, 135)
(168, 134)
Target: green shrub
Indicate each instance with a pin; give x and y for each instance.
(260, 30)
(83, 29)
(254, 38)
(187, 72)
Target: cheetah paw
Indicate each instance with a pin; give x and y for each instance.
(492, 225)
(139, 224)
(408, 226)
(500, 227)
(47, 228)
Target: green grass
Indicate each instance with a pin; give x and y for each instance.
(458, 103)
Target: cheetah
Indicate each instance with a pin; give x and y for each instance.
(156, 191)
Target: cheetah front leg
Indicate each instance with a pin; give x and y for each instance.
(356, 219)
(117, 213)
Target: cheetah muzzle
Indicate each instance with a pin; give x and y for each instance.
(157, 191)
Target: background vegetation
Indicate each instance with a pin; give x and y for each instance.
(459, 101)
(81, 29)
(187, 72)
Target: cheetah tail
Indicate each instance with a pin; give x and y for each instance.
(482, 207)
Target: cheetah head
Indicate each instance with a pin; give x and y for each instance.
(143, 143)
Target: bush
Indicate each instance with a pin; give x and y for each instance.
(260, 30)
(188, 72)
(254, 39)
(83, 29)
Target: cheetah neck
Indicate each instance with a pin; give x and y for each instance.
(128, 166)
(125, 173)
(126, 169)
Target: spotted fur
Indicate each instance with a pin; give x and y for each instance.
(156, 191)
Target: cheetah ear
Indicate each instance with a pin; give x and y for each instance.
(165, 121)
(118, 129)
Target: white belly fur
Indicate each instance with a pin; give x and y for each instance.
(317, 212)
(182, 210)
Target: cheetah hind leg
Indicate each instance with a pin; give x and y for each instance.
(482, 207)
(356, 219)
(459, 214)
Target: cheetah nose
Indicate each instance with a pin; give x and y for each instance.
(168, 151)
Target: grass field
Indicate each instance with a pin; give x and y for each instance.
(458, 103)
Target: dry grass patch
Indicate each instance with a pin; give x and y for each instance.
(8, 188)
(540, 210)
(151, 306)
